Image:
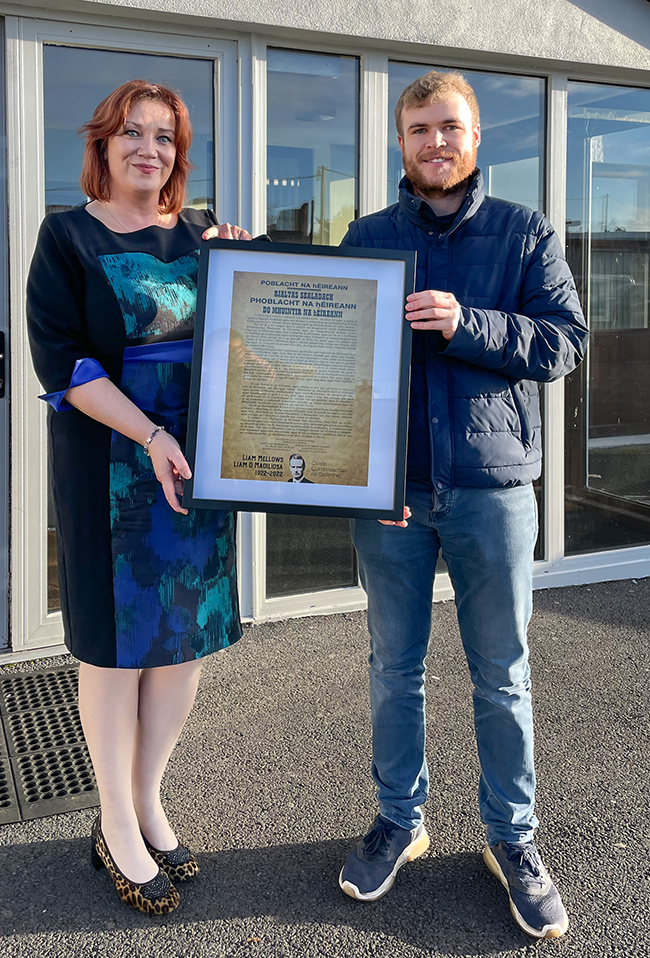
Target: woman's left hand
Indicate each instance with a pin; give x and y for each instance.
(226, 231)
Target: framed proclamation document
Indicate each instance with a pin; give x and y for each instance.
(300, 377)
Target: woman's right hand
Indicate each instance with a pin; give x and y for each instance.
(226, 231)
(171, 468)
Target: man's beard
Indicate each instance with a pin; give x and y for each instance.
(464, 166)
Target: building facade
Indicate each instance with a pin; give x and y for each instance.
(292, 110)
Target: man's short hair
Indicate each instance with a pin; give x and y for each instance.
(432, 88)
(297, 455)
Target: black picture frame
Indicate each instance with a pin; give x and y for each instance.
(395, 277)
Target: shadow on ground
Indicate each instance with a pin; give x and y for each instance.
(52, 888)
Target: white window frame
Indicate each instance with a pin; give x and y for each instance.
(558, 569)
(35, 631)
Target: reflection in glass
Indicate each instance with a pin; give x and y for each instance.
(312, 159)
(608, 247)
(511, 154)
(312, 183)
(308, 554)
(75, 80)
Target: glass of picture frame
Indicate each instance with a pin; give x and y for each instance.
(300, 378)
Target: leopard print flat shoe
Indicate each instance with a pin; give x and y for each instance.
(155, 897)
(179, 864)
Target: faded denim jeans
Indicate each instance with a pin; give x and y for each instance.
(487, 537)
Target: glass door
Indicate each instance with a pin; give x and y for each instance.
(59, 72)
(608, 248)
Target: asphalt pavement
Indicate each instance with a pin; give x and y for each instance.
(270, 785)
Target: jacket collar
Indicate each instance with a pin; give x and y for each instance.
(419, 211)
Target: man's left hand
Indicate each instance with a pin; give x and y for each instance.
(433, 309)
(226, 231)
(402, 522)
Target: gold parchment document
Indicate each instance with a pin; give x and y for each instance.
(299, 387)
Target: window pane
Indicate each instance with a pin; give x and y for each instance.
(312, 184)
(308, 554)
(312, 158)
(608, 246)
(511, 154)
(75, 80)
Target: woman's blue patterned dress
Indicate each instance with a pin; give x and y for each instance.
(141, 585)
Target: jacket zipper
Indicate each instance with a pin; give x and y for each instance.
(524, 418)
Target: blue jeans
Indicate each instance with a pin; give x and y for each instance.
(487, 537)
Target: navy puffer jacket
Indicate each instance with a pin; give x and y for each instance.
(474, 412)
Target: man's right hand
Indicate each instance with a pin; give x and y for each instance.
(435, 310)
(402, 524)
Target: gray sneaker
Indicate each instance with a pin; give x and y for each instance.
(535, 902)
(371, 867)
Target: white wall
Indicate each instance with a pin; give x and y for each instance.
(611, 33)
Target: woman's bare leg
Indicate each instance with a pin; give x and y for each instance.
(108, 705)
(165, 699)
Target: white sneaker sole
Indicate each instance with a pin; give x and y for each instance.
(414, 850)
(548, 931)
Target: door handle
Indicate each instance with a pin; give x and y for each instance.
(2, 365)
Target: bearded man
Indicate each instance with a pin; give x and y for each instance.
(495, 313)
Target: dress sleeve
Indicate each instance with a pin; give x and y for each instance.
(55, 315)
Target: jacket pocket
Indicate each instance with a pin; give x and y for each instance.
(526, 432)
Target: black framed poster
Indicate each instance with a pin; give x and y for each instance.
(300, 377)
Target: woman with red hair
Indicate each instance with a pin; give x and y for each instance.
(147, 589)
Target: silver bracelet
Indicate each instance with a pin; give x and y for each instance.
(147, 443)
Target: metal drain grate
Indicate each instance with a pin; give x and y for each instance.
(47, 728)
(9, 811)
(45, 767)
(56, 781)
(38, 690)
